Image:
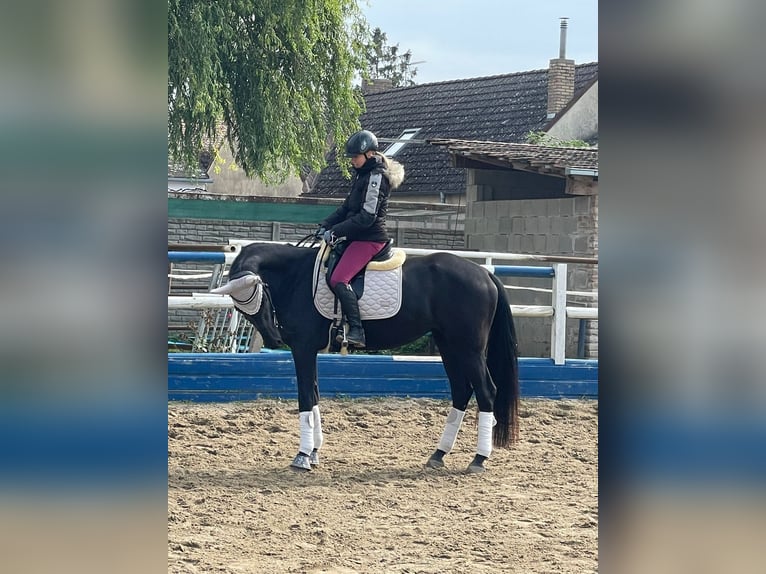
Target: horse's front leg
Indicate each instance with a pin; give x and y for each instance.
(309, 419)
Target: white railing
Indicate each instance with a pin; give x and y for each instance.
(557, 310)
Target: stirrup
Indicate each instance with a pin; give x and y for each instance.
(343, 337)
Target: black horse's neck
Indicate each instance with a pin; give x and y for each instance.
(283, 267)
(271, 255)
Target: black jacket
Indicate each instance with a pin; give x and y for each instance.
(362, 216)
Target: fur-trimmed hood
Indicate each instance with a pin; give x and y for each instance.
(394, 172)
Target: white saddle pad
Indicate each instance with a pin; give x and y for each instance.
(382, 297)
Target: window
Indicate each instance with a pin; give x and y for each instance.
(399, 143)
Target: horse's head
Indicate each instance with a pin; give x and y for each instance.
(252, 298)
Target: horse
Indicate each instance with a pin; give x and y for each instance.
(462, 304)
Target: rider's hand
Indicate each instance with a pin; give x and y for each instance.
(319, 232)
(329, 237)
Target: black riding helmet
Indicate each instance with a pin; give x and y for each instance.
(361, 142)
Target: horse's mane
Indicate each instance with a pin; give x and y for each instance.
(271, 255)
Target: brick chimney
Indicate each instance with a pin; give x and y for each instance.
(561, 75)
(376, 85)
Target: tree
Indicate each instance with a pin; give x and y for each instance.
(278, 75)
(384, 61)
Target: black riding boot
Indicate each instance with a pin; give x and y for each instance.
(350, 306)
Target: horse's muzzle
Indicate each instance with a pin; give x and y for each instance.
(270, 343)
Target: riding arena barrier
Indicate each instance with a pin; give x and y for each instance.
(270, 374)
(225, 376)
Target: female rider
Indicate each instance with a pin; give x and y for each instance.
(360, 220)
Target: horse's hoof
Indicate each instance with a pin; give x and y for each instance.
(314, 458)
(477, 464)
(434, 463)
(436, 460)
(301, 463)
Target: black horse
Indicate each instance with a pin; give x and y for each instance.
(462, 304)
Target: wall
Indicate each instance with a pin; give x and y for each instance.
(424, 235)
(580, 121)
(564, 225)
(229, 179)
(235, 182)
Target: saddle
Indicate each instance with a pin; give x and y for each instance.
(357, 282)
(378, 286)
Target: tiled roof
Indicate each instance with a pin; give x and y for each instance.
(495, 108)
(524, 156)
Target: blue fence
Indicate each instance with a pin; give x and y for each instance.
(217, 377)
(196, 256)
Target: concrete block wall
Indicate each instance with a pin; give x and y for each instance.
(562, 226)
(217, 232)
(591, 279)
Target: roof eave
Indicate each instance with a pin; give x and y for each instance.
(586, 172)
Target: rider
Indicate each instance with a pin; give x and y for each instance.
(361, 220)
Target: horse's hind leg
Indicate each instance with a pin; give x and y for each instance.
(467, 372)
(461, 393)
(485, 398)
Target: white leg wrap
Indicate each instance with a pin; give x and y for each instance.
(306, 422)
(318, 436)
(449, 436)
(486, 422)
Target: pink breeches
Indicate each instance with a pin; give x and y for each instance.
(356, 256)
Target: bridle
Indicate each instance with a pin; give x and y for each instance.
(252, 304)
(267, 292)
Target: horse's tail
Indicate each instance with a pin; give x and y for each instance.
(503, 364)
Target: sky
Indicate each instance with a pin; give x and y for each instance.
(455, 39)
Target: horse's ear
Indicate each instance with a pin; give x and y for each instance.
(236, 285)
(222, 290)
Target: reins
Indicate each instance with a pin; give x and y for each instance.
(310, 241)
(307, 241)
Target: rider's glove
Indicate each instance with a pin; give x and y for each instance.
(319, 232)
(329, 237)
